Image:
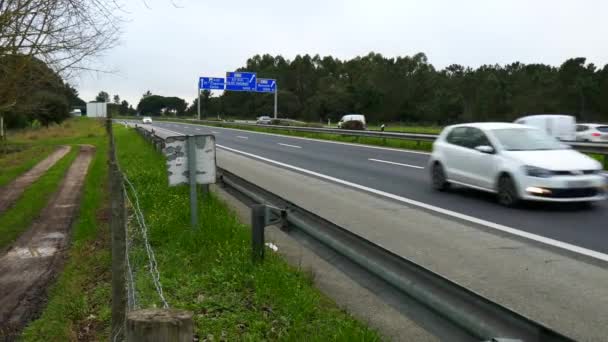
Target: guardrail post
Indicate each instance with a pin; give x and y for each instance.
(258, 223)
(191, 147)
(160, 325)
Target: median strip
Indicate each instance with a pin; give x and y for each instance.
(395, 163)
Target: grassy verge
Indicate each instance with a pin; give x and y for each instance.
(78, 306)
(16, 163)
(208, 270)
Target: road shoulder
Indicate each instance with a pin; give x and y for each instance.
(553, 288)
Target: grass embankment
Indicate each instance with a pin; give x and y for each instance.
(15, 163)
(208, 270)
(78, 305)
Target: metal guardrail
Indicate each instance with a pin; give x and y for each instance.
(598, 148)
(475, 314)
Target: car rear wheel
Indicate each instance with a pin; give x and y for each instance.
(507, 193)
(438, 178)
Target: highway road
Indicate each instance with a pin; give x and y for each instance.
(402, 176)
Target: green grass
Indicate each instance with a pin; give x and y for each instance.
(16, 163)
(397, 127)
(384, 142)
(19, 217)
(209, 272)
(78, 306)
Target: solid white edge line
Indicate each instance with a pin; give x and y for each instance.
(464, 217)
(294, 146)
(318, 140)
(395, 163)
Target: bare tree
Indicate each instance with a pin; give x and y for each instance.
(64, 34)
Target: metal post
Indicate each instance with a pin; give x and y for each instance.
(192, 178)
(276, 100)
(258, 222)
(1, 127)
(199, 103)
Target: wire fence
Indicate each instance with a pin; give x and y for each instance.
(151, 256)
(130, 238)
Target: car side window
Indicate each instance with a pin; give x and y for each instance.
(457, 136)
(581, 128)
(477, 137)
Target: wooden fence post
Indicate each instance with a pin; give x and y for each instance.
(160, 325)
(118, 221)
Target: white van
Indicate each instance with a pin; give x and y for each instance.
(562, 127)
(352, 117)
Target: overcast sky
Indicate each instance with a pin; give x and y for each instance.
(165, 49)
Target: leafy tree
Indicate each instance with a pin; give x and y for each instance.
(102, 97)
(410, 89)
(116, 99)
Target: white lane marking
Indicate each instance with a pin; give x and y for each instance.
(198, 129)
(241, 137)
(294, 146)
(394, 163)
(464, 217)
(323, 141)
(214, 132)
(168, 130)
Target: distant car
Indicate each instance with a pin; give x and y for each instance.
(592, 132)
(562, 127)
(264, 120)
(516, 162)
(352, 121)
(146, 120)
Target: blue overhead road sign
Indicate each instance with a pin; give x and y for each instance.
(266, 85)
(241, 81)
(211, 83)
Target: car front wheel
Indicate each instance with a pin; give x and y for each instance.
(438, 178)
(507, 193)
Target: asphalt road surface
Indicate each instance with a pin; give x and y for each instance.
(403, 174)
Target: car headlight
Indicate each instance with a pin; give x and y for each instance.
(534, 171)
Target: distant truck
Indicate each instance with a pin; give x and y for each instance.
(352, 121)
(97, 109)
(562, 127)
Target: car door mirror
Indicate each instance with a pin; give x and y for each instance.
(485, 149)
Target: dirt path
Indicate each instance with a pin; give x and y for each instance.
(12, 191)
(33, 260)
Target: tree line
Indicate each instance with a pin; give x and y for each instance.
(410, 89)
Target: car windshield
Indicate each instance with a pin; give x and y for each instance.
(526, 139)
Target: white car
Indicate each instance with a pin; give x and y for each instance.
(147, 120)
(516, 162)
(264, 120)
(592, 132)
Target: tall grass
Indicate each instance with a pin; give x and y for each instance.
(208, 270)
